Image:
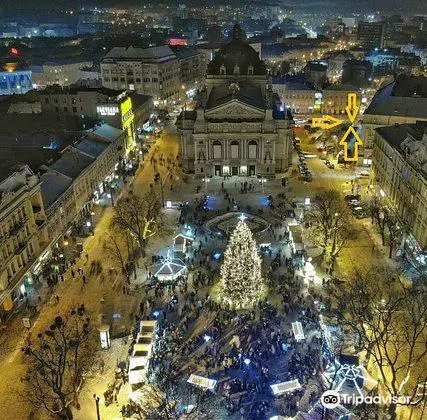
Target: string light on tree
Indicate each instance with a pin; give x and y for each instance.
(241, 282)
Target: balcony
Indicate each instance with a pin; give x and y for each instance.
(21, 246)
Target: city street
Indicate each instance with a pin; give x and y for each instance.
(102, 295)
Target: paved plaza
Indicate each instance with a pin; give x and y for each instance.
(244, 351)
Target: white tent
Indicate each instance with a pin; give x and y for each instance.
(169, 268)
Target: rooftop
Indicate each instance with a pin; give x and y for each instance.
(410, 140)
(72, 162)
(237, 53)
(53, 185)
(105, 131)
(247, 94)
(183, 52)
(398, 99)
(161, 53)
(344, 87)
(74, 90)
(91, 147)
(139, 100)
(293, 82)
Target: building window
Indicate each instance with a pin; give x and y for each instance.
(217, 149)
(236, 70)
(252, 149)
(222, 70)
(234, 149)
(251, 70)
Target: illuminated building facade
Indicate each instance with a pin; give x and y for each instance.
(15, 76)
(21, 214)
(399, 168)
(237, 128)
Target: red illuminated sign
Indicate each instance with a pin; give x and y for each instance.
(14, 51)
(178, 41)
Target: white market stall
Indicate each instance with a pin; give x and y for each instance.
(298, 331)
(283, 387)
(141, 353)
(169, 268)
(202, 382)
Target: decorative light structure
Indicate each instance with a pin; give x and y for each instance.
(241, 282)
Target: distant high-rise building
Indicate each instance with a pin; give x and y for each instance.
(371, 34)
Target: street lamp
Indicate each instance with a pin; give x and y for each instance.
(263, 180)
(206, 180)
(96, 398)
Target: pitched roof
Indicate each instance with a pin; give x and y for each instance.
(53, 185)
(249, 95)
(396, 136)
(72, 162)
(385, 103)
(162, 52)
(92, 147)
(105, 131)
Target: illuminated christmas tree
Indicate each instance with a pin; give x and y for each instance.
(241, 282)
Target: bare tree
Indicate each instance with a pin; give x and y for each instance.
(57, 360)
(393, 228)
(391, 320)
(378, 214)
(140, 216)
(120, 247)
(330, 223)
(168, 404)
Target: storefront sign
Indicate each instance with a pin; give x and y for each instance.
(126, 112)
(107, 110)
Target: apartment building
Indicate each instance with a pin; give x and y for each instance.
(296, 93)
(21, 214)
(399, 167)
(335, 98)
(80, 175)
(371, 34)
(192, 65)
(80, 106)
(154, 71)
(62, 72)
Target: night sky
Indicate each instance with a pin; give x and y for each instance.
(408, 6)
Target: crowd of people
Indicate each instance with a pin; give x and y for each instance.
(245, 351)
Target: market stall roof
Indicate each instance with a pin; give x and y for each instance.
(288, 386)
(169, 268)
(202, 381)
